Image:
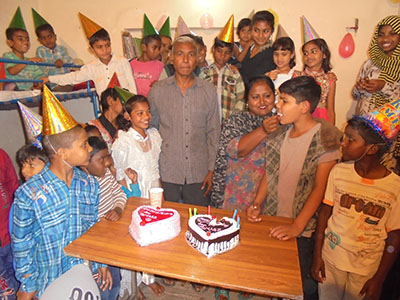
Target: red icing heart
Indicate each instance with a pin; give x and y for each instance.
(150, 215)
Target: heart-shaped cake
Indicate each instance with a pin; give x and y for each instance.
(154, 225)
(211, 236)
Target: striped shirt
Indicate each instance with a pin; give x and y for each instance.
(111, 194)
(48, 215)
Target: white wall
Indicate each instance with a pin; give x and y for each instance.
(329, 18)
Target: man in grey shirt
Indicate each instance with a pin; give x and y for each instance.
(185, 109)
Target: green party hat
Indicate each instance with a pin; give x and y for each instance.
(148, 28)
(124, 95)
(17, 21)
(165, 29)
(38, 19)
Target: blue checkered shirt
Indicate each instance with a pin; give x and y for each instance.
(48, 215)
(51, 55)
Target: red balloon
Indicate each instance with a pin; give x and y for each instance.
(346, 47)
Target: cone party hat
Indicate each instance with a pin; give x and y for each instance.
(17, 21)
(385, 120)
(309, 32)
(89, 26)
(226, 34)
(114, 81)
(38, 19)
(280, 32)
(181, 28)
(165, 29)
(148, 28)
(56, 119)
(32, 122)
(124, 95)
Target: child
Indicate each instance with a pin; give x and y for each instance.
(245, 42)
(202, 52)
(50, 52)
(300, 156)
(258, 60)
(18, 41)
(358, 231)
(101, 70)
(229, 83)
(55, 207)
(31, 160)
(166, 42)
(285, 60)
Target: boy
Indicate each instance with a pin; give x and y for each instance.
(358, 229)
(166, 42)
(147, 68)
(229, 83)
(18, 41)
(300, 156)
(50, 52)
(101, 70)
(31, 160)
(56, 206)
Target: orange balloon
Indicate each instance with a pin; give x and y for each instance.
(346, 47)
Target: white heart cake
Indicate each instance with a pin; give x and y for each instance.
(211, 236)
(154, 225)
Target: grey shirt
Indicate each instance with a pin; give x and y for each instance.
(189, 126)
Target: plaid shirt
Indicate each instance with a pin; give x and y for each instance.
(230, 88)
(51, 55)
(48, 215)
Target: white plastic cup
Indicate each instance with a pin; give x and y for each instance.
(156, 196)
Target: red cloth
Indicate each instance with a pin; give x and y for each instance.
(8, 185)
(2, 71)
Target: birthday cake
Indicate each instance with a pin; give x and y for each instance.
(211, 236)
(154, 225)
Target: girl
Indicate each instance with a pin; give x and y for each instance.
(258, 59)
(317, 64)
(245, 42)
(285, 60)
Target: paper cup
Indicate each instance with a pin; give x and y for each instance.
(156, 195)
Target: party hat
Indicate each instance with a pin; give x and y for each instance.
(89, 26)
(56, 119)
(17, 21)
(148, 28)
(181, 28)
(309, 32)
(38, 19)
(276, 17)
(385, 120)
(280, 32)
(251, 14)
(32, 122)
(124, 95)
(114, 81)
(165, 29)
(226, 34)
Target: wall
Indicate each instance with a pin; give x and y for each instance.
(329, 18)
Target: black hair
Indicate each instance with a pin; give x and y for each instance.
(243, 23)
(285, 43)
(29, 152)
(197, 38)
(52, 143)
(110, 92)
(123, 123)
(218, 43)
(97, 145)
(369, 135)
(256, 79)
(264, 16)
(148, 39)
(89, 128)
(321, 44)
(100, 35)
(44, 27)
(11, 31)
(303, 88)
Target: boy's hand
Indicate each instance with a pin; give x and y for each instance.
(253, 213)
(272, 74)
(285, 232)
(45, 79)
(270, 124)
(318, 269)
(58, 63)
(26, 296)
(37, 86)
(35, 59)
(105, 277)
(114, 214)
(372, 289)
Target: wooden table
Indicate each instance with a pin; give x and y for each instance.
(259, 265)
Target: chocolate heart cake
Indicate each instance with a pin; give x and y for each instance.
(211, 236)
(150, 225)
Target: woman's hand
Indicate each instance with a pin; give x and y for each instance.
(373, 85)
(285, 232)
(270, 124)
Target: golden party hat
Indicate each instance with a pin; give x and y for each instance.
(17, 21)
(89, 26)
(226, 34)
(276, 17)
(309, 32)
(56, 119)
